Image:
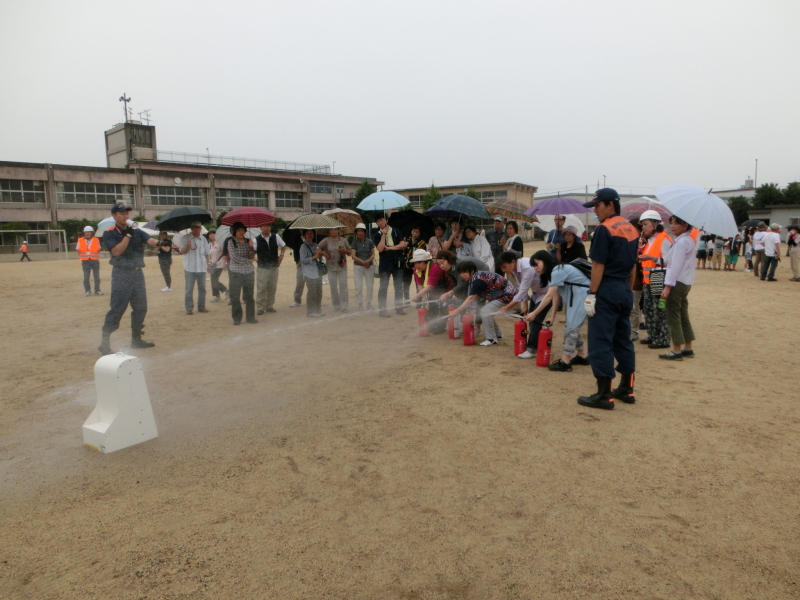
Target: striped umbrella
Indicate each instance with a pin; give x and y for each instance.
(510, 209)
(315, 222)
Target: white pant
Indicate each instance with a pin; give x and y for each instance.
(362, 275)
(490, 329)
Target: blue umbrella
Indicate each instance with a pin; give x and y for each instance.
(383, 201)
(456, 206)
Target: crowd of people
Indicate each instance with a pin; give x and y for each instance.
(637, 276)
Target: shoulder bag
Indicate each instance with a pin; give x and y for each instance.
(657, 276)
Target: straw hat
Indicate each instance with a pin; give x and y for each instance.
(421, 255)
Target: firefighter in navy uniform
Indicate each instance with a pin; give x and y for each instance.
(126, 244)
(610, 300)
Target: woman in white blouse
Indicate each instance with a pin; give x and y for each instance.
(677, 285)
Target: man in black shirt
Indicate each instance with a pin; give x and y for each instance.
(390, 245)
(126, 244)
(165, 259)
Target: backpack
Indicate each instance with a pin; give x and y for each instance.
(584, 266)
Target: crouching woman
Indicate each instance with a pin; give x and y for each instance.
(571, 284)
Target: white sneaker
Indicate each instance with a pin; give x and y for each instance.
(216, 299)
(166, 289)
(527, 354)
(294, 305)
(488, 343)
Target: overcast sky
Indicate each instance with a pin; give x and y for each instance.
(553, 94)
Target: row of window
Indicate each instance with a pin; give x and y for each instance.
(92, 193)
(16, 190)
(325, 187)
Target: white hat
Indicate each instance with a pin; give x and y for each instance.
(652, 215)
(421, 255)
(88, 228)
(361, 226)
(498, 218)
(775, 226)
(572, 229)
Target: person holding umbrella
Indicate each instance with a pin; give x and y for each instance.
(310, 255)
(126, 244)
(555, 237)
(335, 249)
(241, 274)
(677, 285)
(195, 264)
(614, 253)
(390, 245)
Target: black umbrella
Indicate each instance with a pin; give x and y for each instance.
(405, 219)
(751, 223)
(182, 217)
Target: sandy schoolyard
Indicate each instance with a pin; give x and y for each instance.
(346, 457)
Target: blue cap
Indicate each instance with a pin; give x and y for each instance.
(120, 207)
(604, 195)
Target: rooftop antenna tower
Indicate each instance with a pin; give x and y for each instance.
(125, 101)
(146, 117)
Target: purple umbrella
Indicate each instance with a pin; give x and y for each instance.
(557, 206)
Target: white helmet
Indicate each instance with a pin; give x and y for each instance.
(88, 228)
(652, 215)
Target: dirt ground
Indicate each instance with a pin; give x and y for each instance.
(346, 457)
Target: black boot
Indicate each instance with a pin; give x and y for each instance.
(138, 342)
(602, 399)
(105, 345)
(625, 390)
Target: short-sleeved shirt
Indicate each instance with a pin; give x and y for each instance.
(338, 249)
(489, 286)
(419, 244)
(574, 287)
(165, 258)
(364, 250)
(615, 245)
(133, 257)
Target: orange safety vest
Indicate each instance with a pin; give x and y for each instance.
(24, 247)
(89, 249)
(652, 248)
(694, 234)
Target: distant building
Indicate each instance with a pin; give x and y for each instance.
(783, 214)
(154, 181)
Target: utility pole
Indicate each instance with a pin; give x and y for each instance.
(755, 181)
(125, 101)
(604, 181)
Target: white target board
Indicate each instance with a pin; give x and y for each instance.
(123, 415)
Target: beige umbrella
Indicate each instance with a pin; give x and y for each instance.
(348, 218)
(315, 222)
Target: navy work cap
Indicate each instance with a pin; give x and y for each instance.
(120, 207)
(604, 195)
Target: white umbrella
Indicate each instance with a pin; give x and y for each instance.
(699, 208)
(548, 222)
(642, 199)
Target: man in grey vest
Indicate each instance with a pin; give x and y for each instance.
(269, 248)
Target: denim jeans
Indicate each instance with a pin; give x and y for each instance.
(397, 275)
(217, 286)
(770, 264)
(191, 279)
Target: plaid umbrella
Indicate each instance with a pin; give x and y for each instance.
(510, 209)
(456, 206)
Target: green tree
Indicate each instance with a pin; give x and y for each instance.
(221, 214)
(740, 206)
(792, 193)
(74, 227)
(768, 194)
(473, 194)
(431, 197)
(140, 219)
(365, 189)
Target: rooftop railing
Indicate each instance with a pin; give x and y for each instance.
(211, 160)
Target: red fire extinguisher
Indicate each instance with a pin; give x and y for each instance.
(520, 336)
(468, 328)
(543, 347)
(453, 325)
(422, 321)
